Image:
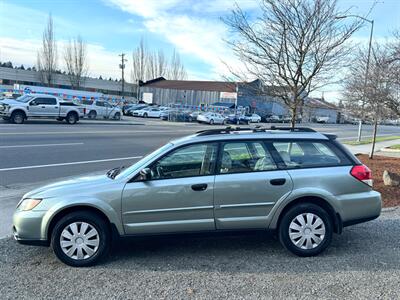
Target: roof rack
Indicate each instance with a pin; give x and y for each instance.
(231, 129)
(225, 130)
(296, 129)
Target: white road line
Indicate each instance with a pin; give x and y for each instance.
(69, 163)
(42, 145)
(92, 132)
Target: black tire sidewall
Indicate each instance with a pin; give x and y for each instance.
(15, 114)
(291, 214)
(92, 114)
(94, 220)
(75, 120)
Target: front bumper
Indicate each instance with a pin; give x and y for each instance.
(27, 227)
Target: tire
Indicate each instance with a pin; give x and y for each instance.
(211, 122)
(190, 119)
(18, 117)
(304, 248)
(82, 220)
(72, 118)
(145, 115)
(92, 114)
(224, 122)
(117, 116)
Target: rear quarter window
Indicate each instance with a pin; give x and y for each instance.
(309, 154)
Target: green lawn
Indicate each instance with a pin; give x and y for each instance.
(378, 139)
(396, 147)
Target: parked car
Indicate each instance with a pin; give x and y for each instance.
(126, 107)
(270, 119)
(322, 120)
(237, 119)
(40, 106)
(101, 109)
(193, 115)
(148, 112)
(302, 184)
(253, 118)
(131, 110)
(211, 118)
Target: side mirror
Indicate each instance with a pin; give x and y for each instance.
(145, 174)
(33, 103)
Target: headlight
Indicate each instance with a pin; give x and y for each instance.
(28, 204)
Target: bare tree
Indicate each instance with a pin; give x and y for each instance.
(75, 58)
(379, 87)
(393, 61)
(176, 70)
(148, 64)
(47, 55)
(294, 47)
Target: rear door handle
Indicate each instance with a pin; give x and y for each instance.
(199, 187)
(43, 106)
(278, 181)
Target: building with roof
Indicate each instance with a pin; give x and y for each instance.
(250, 95)
(187, 92)
(11, 77)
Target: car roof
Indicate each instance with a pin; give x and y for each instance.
(251, 133)
(42, 95)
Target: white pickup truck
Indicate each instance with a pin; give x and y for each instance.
(40, 106)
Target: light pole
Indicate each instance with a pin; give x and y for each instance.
(366, 70)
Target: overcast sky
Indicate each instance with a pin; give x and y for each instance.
(192, 27)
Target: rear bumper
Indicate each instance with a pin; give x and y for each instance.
(360, 207)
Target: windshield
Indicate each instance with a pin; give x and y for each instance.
(143, 161)
(24, 98)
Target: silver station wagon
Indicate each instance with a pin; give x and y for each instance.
(303, 184)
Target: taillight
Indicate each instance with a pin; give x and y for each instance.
(362, 173)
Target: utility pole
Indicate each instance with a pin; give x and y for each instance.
(122, 67)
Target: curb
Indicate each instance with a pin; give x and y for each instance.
(386, 149)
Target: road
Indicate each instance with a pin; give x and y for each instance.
(362, 263)
(40, 150)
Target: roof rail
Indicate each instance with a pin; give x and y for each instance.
(258, 128)
(225, 130)
(296, 129)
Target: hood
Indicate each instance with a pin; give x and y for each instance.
(75, 184)
(10, 102)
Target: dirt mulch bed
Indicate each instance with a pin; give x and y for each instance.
(390, 194)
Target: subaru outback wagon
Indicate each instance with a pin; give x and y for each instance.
(303, 184)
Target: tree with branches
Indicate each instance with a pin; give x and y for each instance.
(294, 47)
(47, 55)
(75, 59)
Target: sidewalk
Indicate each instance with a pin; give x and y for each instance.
(366, 148)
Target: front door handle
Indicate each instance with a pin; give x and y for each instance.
(199, 187)
(43, 106)
(278, 181)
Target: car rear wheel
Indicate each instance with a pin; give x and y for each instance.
(72, 118)
(117, 116)
(211, 122)
(145, 115)
(306, 229)
(81, 239)
(92, 114)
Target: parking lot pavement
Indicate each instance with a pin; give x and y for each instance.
(362, 263)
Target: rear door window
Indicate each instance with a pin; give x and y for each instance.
(306, 154)
(242, 157)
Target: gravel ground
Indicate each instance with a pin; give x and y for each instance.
(363, 262)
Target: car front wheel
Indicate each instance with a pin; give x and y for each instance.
(306, 229)
(81, 239)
